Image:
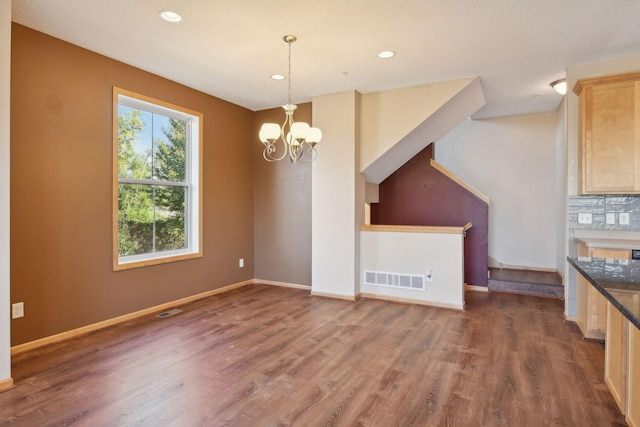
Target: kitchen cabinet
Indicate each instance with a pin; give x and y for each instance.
(609, 134)
(622, 364)
(614, 355)
(592, 306)
(633, 396)
(616, 280)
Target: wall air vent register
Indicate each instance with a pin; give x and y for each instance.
(394, 280)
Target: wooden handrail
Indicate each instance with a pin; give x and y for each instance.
(417, 229)
(459, 181)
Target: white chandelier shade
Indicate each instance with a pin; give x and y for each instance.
(298, 138)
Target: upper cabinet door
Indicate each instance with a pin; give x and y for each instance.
(609, 147)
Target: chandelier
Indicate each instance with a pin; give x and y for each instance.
(298, 138)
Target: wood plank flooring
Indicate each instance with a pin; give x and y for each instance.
(268, 356)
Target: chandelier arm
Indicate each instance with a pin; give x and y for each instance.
(274, 144)
(267, 157)
(270, 158)
(288, 120)
(312, 153)
(275, 159)
(296, 155)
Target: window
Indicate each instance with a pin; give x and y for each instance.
(157, 191)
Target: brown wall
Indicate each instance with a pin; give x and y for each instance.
(418, 194)
(282, 209)
(61, 165)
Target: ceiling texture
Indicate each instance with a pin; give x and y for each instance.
(230, 48)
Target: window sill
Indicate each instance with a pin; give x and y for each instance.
(119, 265)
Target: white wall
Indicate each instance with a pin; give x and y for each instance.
(398, 124)
(512, 160)
(5, 102)
(337, 194)
(561, 196)
(415, 254)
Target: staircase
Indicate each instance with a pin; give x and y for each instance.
(527, 282)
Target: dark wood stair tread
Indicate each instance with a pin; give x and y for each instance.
(529, 282)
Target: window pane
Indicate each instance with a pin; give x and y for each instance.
(169, 153)
(135, 219)
(170, 215)
(158, 171)
(134, 143)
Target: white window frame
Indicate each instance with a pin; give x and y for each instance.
(193, 177)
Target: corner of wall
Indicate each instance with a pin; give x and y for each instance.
(5, 136)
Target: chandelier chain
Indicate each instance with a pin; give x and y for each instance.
(289, 77)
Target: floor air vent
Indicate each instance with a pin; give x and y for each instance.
(394, 280)
(169, 313)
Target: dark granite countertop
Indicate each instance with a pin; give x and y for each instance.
(617, 279)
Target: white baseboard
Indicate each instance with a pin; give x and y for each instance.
(114, 321)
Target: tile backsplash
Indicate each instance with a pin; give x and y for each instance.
(599, 206)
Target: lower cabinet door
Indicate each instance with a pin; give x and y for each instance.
(614, 356)
(633, 379)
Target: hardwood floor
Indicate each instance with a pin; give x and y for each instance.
(266, 356)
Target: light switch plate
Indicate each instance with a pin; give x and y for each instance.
(584, 218)
(611, 218)
(624, 218)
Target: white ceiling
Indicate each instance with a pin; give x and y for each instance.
(230, 48)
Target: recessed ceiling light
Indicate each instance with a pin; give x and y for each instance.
(170, 16)
(278, 77)
(386, 54)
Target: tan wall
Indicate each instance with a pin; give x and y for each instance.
(282, 209)
(61, 237)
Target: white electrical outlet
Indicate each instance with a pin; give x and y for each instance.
(584, 218)
(611, 218)
(17, 310)
(429, 276)
(624, 218)
(241, 262)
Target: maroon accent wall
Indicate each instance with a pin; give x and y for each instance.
(418, 194)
